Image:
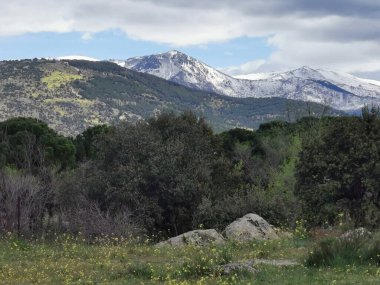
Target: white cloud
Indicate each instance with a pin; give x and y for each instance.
(86, 36)
(246, 68)
(340, 34)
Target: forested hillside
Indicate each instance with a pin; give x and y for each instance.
(171, 174)
(73, 95)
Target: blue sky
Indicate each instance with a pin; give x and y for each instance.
(241, 37)
(114, 44)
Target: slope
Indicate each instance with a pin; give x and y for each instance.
(340, 91)
(71, 95)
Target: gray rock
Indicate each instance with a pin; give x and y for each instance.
(249, 265)
(250, 227)
(276, 262)
(231, 268)
(196, 237)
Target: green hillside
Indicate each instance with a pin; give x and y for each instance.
(73, 95)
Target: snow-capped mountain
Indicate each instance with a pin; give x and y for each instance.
(183, 69)
(77, 57)
(338, 90)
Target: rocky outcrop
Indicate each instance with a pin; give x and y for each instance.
(250, 227)
(196, 237)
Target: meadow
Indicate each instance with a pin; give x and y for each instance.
(64, 259)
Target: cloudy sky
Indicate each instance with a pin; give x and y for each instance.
(239, 37)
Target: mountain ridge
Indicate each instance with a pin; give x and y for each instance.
(338, 90)
(72, 95)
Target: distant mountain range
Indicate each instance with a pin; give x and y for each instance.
(338, 90)
(71, 95)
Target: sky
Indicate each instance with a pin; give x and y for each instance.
(237, 37)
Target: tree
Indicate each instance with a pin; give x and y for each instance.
(85, 142)
(159, 169)
(338, 172)
(30, 144)
(23, 201)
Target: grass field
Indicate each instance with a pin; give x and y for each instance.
(68, 260)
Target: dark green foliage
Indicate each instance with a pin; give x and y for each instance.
(274, 126)
(85, 142)
(102, 66)
(338, 172)
(171, 173)
(258, 176)
(234, 136)
(159, 170)
(30, 144)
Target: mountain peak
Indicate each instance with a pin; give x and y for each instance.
(304, 72)
(174, 52)
(181, 68)
(340, 91)
(304, 69)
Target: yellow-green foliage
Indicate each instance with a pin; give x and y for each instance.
(73, 260)
(35, 94)
(56, 78)
(81, 102)
(93, 120)
(59, 110)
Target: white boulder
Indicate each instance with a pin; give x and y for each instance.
(250, 227)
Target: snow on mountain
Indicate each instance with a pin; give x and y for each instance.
(77, 57)
(254, 76)
(183, 69)
(338, 90)
(371, 81)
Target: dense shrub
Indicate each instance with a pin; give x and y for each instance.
(30, 144)
(158, 170)
(171, 174)
(338, 172)
(356, 250)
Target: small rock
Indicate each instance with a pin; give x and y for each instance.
(276, 262)
(196, 237)
(230, 268)
(250, 227)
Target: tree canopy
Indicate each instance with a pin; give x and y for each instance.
(338, 172)
(27, 143)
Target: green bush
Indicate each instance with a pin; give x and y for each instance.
(338, 172)
(141, 270)
(356, 250)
